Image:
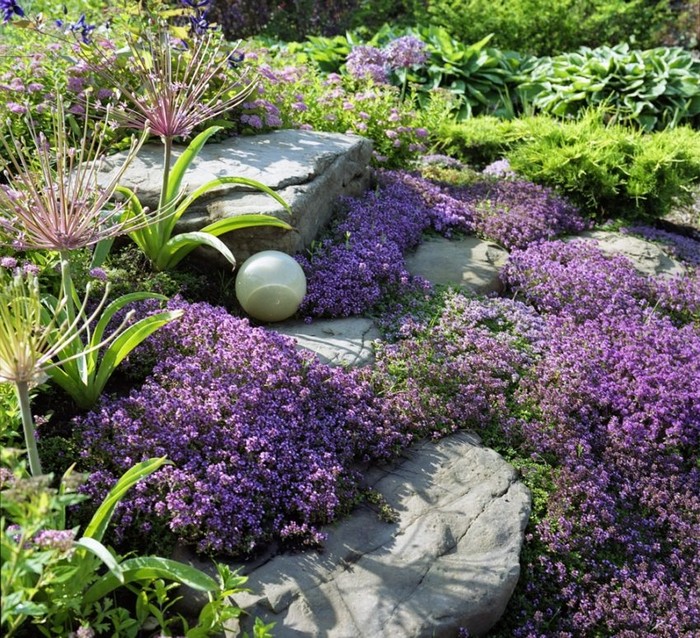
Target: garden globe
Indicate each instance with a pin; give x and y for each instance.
(270, 285)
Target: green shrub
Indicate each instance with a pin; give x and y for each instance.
(612, 170)
(606, 170)
(542, 27)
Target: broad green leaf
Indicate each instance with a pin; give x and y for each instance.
(100, 520)
(238, 222)
(115, 307)
(183, 162)
(96, 548)
(183, 244)
(148, 568)
(223, 181)
(126, 342)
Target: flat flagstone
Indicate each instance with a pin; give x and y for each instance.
(308, 169)
(450, 560)
(345, 342)
(646, 256)
(466, 261)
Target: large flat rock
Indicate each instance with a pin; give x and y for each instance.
(450, 560)
(343, 342)
(646, 256)
(308, 169)
(467, 262)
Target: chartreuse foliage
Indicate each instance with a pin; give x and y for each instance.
(604, 169)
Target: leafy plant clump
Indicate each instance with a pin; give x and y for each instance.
(653, 89)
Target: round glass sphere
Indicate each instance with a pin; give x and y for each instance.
(270, 285)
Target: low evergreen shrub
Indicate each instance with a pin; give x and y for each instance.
(607, 170)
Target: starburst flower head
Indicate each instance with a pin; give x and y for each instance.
(28, 343)
(53, 199)
(178, 89)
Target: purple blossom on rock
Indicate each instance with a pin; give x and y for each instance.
(685, 248)
(363, 256)
(458, 371)
(576, 278)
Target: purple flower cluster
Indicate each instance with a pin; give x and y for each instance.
(616, 404)
(512, 213)
(366, 61)
(517, 213)
(262, 438)
(460, 370)
(349, 271)
(406, 52)
(10, 8)
(578, 279)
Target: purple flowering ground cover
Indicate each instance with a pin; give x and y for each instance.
(263, 439)
(587, 378)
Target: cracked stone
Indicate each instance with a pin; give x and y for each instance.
(450, 560)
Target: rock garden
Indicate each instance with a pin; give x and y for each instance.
(478, 410)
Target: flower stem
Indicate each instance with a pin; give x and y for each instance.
(22, 388)
(67, 285)
(167, 158)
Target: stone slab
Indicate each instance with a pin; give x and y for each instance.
(345, 342)
(308, 169)
(450, 560)
(466, 262)
(647, 257)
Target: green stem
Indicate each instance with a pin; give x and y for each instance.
(22, 388)
(67, 286)
(167, 158)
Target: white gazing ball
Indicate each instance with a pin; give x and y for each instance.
(270, 285)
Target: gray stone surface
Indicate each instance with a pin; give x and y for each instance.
(309, 170)
(646, 256)
(467, 261)
(346, 342)
(450, 560)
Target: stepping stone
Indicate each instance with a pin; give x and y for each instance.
(345, 342)
(450, 559)
(467, 261)
(308, 169)
(647, 257)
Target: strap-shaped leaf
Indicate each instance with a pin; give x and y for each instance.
(100, 520)
(148, 568)
(117, 305)
(125, 343)
(96, 548)
(183, 244)
(183, 162)
(228, 224)
(221, 181)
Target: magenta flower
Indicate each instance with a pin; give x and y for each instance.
(176, 86)
(52, 199)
